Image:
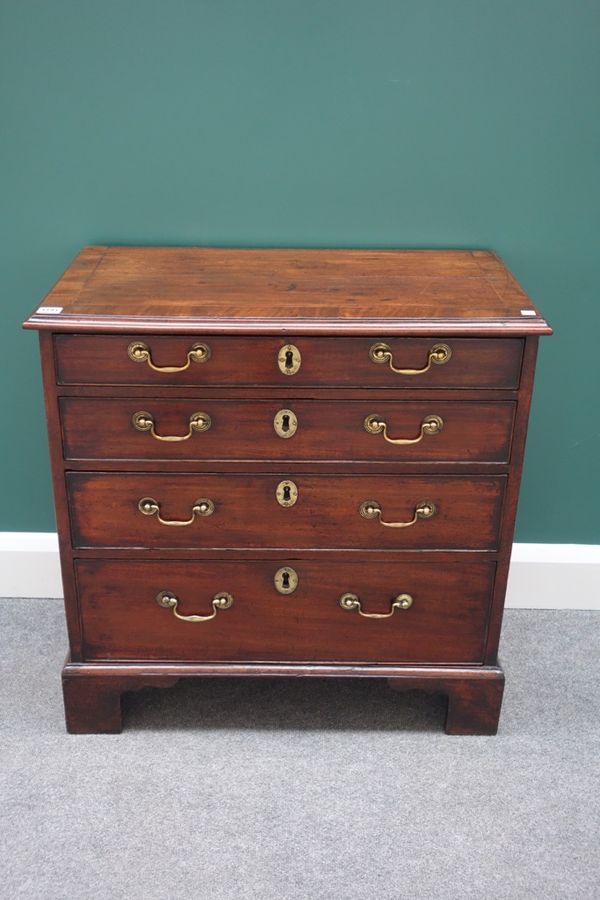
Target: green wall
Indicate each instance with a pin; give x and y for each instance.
(383, 123)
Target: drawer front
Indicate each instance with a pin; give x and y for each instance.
(250, 361)
(391, 430)
(445, 623)
(243, 511)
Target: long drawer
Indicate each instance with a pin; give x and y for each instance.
(285, 511)
(430, 613)
(249, 361)
(187, 429)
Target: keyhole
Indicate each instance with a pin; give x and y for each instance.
(285, 423)
(286, 493)
(289, 359)
(285, 580)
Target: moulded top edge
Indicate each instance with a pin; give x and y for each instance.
(485, 327)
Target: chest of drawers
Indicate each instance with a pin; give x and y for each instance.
(286, 462)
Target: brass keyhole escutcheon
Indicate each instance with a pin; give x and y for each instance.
(285, 580)
(285, 423)
(286, 493)
(289, 359)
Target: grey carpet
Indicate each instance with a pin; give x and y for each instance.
(307, 790)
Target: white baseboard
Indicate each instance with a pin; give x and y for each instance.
(29, 564)
(554, 576)
(542, 576)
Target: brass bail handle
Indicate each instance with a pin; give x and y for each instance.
(169, 600)
(374, 424)
(370, 509)
(352, 602)
(144, 421)
(148, 506)
(382, 353)
(138, 351)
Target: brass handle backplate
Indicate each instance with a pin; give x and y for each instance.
(352, 602)
(382, 353)
(144, 421)
(169, 600)
(140, 352)
(149, 507)
(289, 359)
(370, 509)
(430, 425)
(285, 423)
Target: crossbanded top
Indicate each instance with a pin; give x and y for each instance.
(288, 291)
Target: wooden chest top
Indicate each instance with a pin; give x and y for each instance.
(281, 291)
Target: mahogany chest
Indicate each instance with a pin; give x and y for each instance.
(286, 462)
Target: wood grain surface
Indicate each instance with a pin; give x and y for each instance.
(245, 362)
(282, 290)
(122, 620)
(101, 429)
(104, 511)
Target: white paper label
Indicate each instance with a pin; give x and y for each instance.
(528, 312)
(50, 310)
